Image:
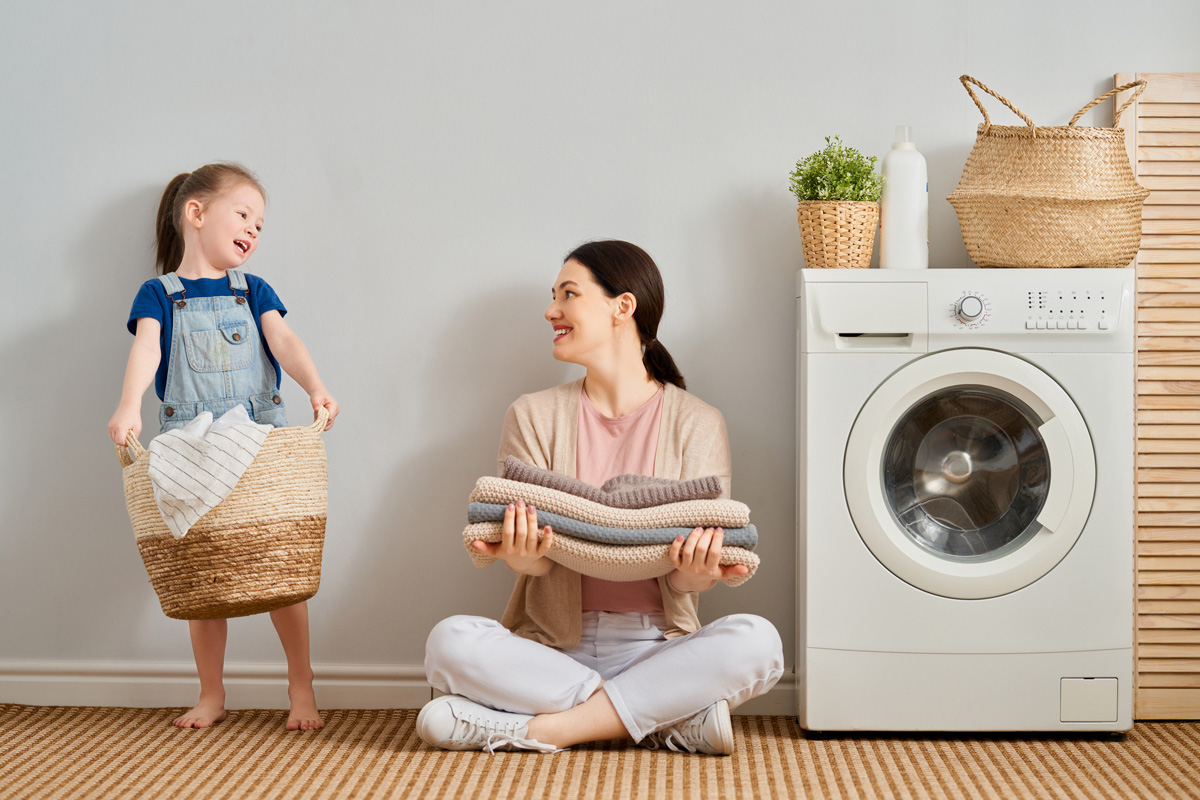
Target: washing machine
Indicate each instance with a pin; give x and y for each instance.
(965, 500)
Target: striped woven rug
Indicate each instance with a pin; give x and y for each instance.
(50, 752)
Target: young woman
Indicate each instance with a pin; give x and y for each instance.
(577, 659)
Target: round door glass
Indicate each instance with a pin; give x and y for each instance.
(965, 473)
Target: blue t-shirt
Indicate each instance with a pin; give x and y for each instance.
(152, 302)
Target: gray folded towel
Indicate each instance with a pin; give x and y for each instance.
(623, 491)
(746, 537)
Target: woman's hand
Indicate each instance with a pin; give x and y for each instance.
(697, 561)
(519, 546)
(125, 420)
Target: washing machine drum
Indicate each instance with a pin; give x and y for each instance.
(970, 473)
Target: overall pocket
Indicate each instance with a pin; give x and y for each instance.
(268, 409)
(227, 348)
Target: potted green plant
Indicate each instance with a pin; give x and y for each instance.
(838, 192)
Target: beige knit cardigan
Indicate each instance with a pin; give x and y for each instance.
(542, 429)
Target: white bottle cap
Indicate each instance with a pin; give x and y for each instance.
(904, 140)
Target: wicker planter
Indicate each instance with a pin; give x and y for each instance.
(258, 550)
(837, 233)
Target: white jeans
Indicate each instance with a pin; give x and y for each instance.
(652, 682)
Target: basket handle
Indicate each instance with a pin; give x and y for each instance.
(967, 80)
(1116, 119)
(318, 425)
(131, 451)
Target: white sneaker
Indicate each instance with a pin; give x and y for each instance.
(452, 722)
(709, 732)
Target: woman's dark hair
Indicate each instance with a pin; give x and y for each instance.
(621, 267)
(205, 183)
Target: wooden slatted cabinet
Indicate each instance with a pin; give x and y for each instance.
(1163, 138)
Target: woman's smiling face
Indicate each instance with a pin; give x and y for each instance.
(581, 314)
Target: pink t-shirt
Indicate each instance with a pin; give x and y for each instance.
(606, 447)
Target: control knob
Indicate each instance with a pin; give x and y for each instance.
(969, 309)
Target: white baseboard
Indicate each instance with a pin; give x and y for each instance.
(153, 684)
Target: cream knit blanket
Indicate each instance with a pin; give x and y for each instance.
(608, 561)
(622, 491)
(685, 514)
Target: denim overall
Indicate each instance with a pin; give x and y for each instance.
(217, 360)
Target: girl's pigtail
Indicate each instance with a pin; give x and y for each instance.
(167, 239)
(661, 366)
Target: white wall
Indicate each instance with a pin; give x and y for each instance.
(428, 166)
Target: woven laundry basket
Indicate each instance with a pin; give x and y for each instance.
(1061, 196)
(257, 550)
(837, 233)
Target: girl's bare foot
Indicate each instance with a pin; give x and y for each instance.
(303, 715)
(208, 712)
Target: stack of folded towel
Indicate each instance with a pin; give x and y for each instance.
(621, 531)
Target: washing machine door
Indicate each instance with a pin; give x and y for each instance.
(970, 473)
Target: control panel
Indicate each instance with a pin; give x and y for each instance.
(1069, 310)
(1022, 308)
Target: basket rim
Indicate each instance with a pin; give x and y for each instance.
(1141, 194)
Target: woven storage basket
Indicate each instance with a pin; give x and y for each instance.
(837, 233)
(1060, 196)
(258, 550)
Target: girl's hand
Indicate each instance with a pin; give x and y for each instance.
(123, 421)
(323, 399)
(519, 546)
(697, 561)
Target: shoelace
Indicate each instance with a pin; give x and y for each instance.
(491, 735)
(688, 738)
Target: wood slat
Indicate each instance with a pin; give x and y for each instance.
(1168, 401)
(1153, 622)
(1171, 374)
(1169, 315)
(1172, 88)
(1168, 417)
(1177, 358)
(1168, 386)
(1171, 241)
(1170, 665)
(1167, 704)
(1168, 199)
(1148, 138)
(1168, 505)
(1168, 636)
(1168, 549)
(1175, 154)
(1164, 167)
(1170, 593)
(1170, 183)
(1182, 124)
(1171, 563)
(1168, 270)
(1168, 256)
(1149, 679)
(1168, 476)
(1146, 109)
(1178, 490)
(1168, 446)
(1187, 226)
(1179, 534)
(1168, 519)
(1168, 300)
(1168, 607)
(1156, 578)
(1152, 650)
(1171, 211)
(1168, 432)
(1168, 460)
(1188, 285)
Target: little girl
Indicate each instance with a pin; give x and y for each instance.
(208, 225)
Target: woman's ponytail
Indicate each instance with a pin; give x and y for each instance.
(168, 242)
(205, 183)
(621, 267)
(660, 365)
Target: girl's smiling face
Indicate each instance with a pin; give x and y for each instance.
(581, 314)
(228, 225)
